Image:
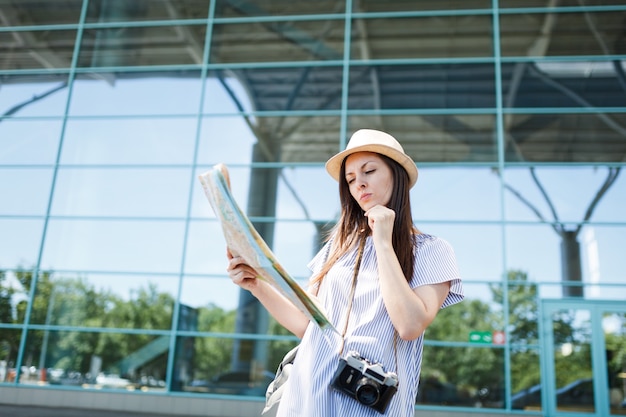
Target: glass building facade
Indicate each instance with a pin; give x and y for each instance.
(112, 263)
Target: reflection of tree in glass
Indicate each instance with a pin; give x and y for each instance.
(570, 247)
(31, 100)
(480, 369)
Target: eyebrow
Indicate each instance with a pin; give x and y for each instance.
(361, 167)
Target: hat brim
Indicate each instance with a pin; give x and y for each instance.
(333, 165)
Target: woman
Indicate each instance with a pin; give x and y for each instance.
(380, 280)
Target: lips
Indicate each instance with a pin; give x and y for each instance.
(365, 196)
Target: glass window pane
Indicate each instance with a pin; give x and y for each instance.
(437, 188)
(307, 193)
(393, 6)
(142, 46)
(38, 12)
(569, 191)
(206, 248)
(267, 41)
(523, 309)
(25, 191)
(33, 95)
(140, 246)
(109, 301)
(224, 92)
(476, 262)
(20, 241)
(571, 34)
(215, 304)
(603, 257)
(422, 37)
(37, 49)
(542, 3)
(576, 138)
(571, 331)
(614, 326)
(121, 94)
(129, 141)
(293, 88)
(29, 141)
(545, 244)
(292, 139)
(14, 286)
(93, 360)
(429, 86)
(227, 8)
(596, 261)
(119, 10)
(121, 192)
(213, 365)
(8, 339)
(525, 379)
(215, 297)
(438, 138)
(602, 291)
(232, 148)
(561, 84)
(451, 376)
(295, 244)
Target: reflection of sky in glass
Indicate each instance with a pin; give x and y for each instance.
(142, 167)
(18, 93)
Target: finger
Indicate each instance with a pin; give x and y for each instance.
(234, 263)
(229, 254)
(370, 223)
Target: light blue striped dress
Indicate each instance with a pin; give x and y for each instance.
(370, 332)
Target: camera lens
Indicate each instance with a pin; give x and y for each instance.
(367, 392)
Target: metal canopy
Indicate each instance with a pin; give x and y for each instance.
(444, 112)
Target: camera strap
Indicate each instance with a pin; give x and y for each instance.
(357, 267)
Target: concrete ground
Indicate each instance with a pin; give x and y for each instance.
(34, 411)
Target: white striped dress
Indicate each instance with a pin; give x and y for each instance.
(370, 332)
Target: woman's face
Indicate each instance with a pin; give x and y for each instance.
(369, 179)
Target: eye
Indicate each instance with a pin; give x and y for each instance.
(370, 171)
(349, 180)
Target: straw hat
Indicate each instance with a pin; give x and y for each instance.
(368, 140)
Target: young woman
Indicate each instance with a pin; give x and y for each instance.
(381, 282)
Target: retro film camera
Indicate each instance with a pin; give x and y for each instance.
(366, 382)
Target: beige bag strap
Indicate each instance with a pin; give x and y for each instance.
(357, 266)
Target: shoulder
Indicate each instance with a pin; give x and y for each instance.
(430, 244)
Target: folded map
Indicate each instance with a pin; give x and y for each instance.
(243, 240)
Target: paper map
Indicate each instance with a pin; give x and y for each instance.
(243, 240)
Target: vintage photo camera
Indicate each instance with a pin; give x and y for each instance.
(366, 382)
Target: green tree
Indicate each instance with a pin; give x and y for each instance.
(466, 367)
(9, 339)
(212, 355)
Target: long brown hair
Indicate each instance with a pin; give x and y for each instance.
(352, 223)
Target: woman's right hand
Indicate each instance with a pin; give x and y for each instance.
(283, 310)
(241, 273)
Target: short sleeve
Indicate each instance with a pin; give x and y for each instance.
(435, 262)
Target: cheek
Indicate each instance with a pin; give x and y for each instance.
(353, 190)
(387, 196)
(388, 190)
